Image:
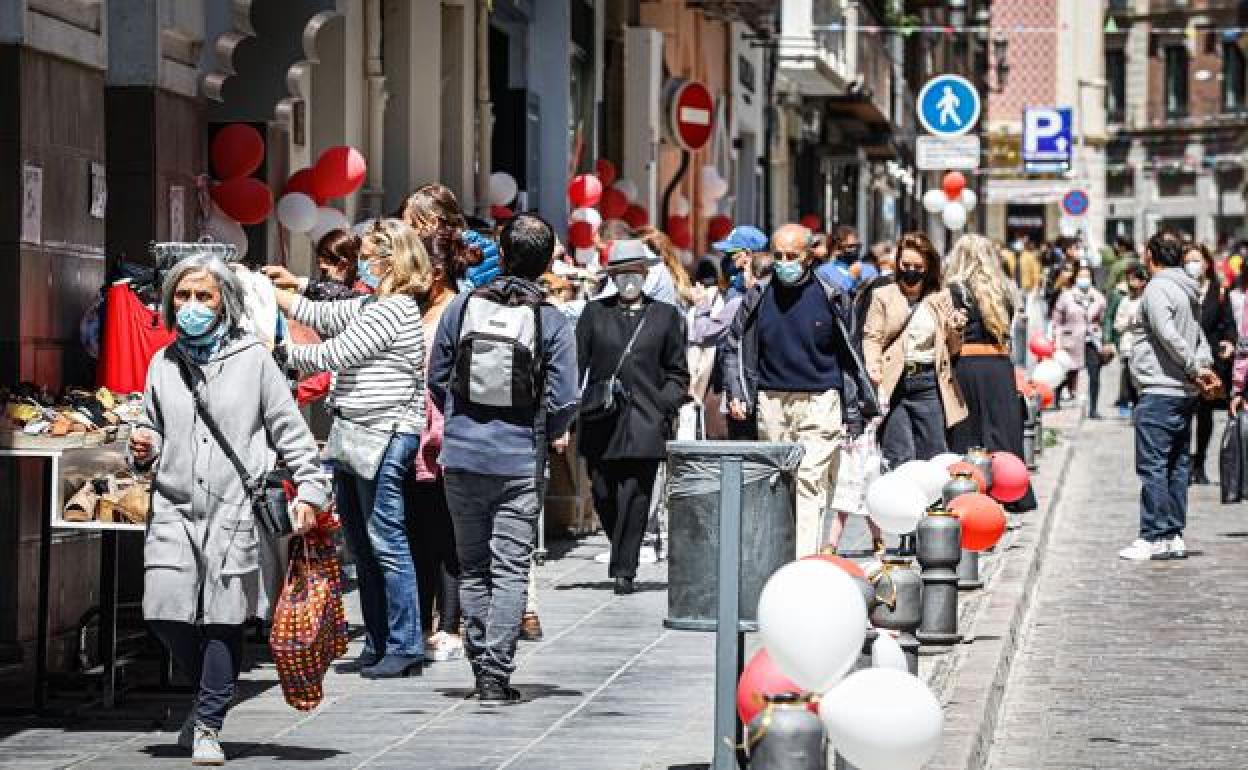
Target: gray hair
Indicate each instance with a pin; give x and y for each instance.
(231, 288)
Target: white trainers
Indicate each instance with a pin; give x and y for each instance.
(603, 558)
(207, 750)
(443, 647)
(1177, 548)
(1143, 550)
(647, 555)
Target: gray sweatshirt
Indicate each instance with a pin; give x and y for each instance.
(1169, 346)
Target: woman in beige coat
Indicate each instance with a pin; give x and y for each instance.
(911, 336)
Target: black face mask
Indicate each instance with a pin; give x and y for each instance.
(910, 277)
(851, 253)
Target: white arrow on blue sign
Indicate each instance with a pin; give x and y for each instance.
(948, 105)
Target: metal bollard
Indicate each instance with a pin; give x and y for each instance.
(968, 571)
(1030, 438)
(940, 550)
(982, 459)
(899, 605)
(789, 737)
(1039, 407)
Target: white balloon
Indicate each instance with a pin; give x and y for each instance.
(895, 503)
(943, 461)
(1063, 358)
(223, 229)
(681, 206)
(887, 653)
(628, 187)
(584, 257)
(954, 216)
(813, 620)
(503, 188)
(327, 219)
(929, 477)
(296, 212)
(934, 201)
(883, 719)
(586, 214)
(968, 199)
(1050, 373)
(710, 207)
(714, 186)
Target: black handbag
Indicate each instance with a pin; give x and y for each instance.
(603, 399)
(267, 493)
(1231, 460)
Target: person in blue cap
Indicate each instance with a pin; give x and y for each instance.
(738, 250)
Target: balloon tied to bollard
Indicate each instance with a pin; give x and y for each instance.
(837, 672)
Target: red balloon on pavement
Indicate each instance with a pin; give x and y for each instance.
(605, 171)
(983, 521)
(680, 231)
(614, 203)
(1010, 478)
(246, 200)
(849, 567)
(718, 228)
(811, 222)
(1041, 346)
(501, 213)
(237, 150)
(1046, 394)
(584, 190)
(635, 216)
(339, 171)
(303, 181)
(581, 235)
(759, 678)
(953, 184)
(975, 473)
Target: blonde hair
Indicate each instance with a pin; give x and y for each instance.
(661, 244)
(975, 263)
(410, 269)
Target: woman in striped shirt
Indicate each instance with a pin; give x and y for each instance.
(376, 348)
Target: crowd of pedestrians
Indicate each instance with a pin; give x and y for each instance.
(455, 358)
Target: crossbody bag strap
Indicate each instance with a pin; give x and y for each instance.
(631, 341)
(248, 482)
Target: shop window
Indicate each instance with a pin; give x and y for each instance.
(1176, 61)
(1176, 184)
(1116, 78)
(1234, 77)
(1120, 183)
(1120, 230)
(1229, 180)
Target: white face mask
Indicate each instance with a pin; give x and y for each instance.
(629, 285)
(1195, 269)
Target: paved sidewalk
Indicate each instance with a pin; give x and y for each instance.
(1123, 664)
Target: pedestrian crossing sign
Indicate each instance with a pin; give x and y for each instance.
(948, 105)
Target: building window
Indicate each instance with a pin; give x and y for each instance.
(1176, 184)
(1120, 183)
(1116, 77)
(1176, 81)
(1234, 76)
(1181, 225)
(1120, 229)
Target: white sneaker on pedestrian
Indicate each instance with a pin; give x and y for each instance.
(1177, 548)
(445, 647)
(207, 750)
(1143, 550)
(647, 555)
(603, 558)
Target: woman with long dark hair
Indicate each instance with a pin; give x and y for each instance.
(1217, 321)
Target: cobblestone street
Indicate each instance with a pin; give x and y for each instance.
(1124, 664)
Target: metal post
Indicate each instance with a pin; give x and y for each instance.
(727, 628)
(107, 647)
(968, 571)
(45, 569)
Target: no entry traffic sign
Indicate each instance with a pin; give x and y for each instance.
(1075, 203)
(690, 115)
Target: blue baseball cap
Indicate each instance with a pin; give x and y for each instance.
(743, 238)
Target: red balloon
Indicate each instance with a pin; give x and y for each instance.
(636, 216)
(718, 228)
(983, 521)
(303, 181)
(811, 222)
(1010, 478)
(760, 677)
(953, 184)
(501, 213)
(975, 473)
(339, 171)
(581, 235)
(680, 230)
(1041, 346)
(613, 204)
(237, 150)
(849, 567)
(584, 190)
(246, 199)
(605, 171)
(1046, 394)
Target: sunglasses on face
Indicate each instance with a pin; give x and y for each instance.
(788, 256)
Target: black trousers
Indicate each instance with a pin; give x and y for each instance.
(210, 655)
(621, 490)
(1092, 360)
(432, 538)
(1204, 432)
(915, 426)
(1128, 394)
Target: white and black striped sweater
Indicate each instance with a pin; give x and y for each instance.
(376, 349)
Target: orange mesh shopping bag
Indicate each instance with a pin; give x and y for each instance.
(309, 624)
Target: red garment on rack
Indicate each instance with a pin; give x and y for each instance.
(132, 334)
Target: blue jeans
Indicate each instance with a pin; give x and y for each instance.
(1163, 437)
(374, 518)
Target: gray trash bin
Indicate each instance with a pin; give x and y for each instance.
(767, 534)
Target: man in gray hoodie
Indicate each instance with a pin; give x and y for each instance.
(1172, 364)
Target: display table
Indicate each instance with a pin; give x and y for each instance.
(68, 469)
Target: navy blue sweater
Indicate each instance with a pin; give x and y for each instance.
(797, 341)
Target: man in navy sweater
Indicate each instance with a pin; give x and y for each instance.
(493, 456)
(806, 384)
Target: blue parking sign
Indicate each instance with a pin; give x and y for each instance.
(1047, 138)
(948, 105)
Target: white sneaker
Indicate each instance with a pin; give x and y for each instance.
(647, 555)
(603, 558)
(1143, 550)
(445, 647)
(207, 750)
(1177, 548)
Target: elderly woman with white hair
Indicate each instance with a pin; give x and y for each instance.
(202, 568)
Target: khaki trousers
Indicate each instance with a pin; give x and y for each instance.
(815, 421)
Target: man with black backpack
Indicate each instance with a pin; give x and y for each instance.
(504, 372)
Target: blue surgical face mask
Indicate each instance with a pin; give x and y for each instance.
(789, 271)
(738, 280)
(365, 272)
(196, 320)
(1083, 284)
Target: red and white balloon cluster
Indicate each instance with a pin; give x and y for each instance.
(338, 172)
(953, 201)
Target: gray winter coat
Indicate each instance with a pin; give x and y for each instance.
(201, 520)
(1169, 345)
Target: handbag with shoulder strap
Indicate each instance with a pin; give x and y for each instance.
(603, 399)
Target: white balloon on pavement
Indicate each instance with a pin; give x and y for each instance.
(929, 477)
(813, 620)
(1064, 359)
(895, 503)
(221, 228)
(883, 719)
(327, 219)
(943, 461)
(887, 653)
(681, 206)
(968, 198)
(296, 212)
(503, 188)
(587, 214)
(954, 216)
(1050, 373)
(934, 201)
